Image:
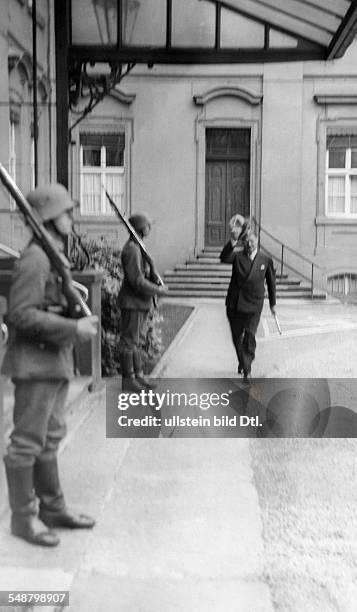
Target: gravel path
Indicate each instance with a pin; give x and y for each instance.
(308, 498)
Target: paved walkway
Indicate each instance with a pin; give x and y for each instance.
(178, 527)
(178, 520)
(318, 340)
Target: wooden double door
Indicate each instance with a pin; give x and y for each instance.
(227, 180)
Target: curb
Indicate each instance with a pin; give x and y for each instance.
(159, 369)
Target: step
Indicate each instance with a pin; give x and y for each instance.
(196, 266)
(212, 288)
(204, 256)
(213, 249)
(189, 277)
(210, 267)
(193, 282)
(205, 260)
(218, 293)
(207, 256)
(197, 293)
(222, 273)
(215, 276)
(224, 286)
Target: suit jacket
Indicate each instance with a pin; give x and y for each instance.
(40, 336)
(137, 290)
(247, 285)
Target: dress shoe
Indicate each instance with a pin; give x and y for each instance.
(67, 518)
(240, 368)
(246, 377)
(31, 529)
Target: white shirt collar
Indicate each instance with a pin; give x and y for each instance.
(252, 255)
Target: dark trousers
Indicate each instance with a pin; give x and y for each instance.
(133, 329)
(244, 326)
(132, 339)
(39, 423)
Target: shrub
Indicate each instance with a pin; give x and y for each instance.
(104, 256)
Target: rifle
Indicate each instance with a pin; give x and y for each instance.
(154, 274)
(77, 306)
(16, 255)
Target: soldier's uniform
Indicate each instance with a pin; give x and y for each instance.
(136, 299)
(39, 359)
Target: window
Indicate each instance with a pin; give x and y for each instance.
(101, 165)
(342, 284)
(341, 176)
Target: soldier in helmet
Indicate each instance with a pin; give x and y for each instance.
(39, 359)
(136, 298)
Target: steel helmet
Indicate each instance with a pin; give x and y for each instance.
(139, 221)
(50, 201)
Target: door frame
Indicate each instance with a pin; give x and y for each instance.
(255, 170)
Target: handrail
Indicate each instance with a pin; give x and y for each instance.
(262, 229)
(287, 266)
(296, 253)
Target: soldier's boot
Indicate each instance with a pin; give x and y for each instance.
(129, 381)
(53, 510)
(143, 380)
(24, 521)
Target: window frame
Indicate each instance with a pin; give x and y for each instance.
(107, 125)
(347, 172)
(324, 128)
(103, 171)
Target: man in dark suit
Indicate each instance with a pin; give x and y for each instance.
(245, 297)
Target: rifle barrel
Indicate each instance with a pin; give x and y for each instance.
(133, 233)
(57, 259)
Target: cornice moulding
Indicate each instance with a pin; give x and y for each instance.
(335, 98)
(233, 92)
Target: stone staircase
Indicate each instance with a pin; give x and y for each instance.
(205, 276)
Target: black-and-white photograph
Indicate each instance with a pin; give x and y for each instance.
(178, 305)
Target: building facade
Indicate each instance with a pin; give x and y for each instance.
(19, 139)
(193, 144)
(275, 142)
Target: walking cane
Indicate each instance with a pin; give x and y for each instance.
(277, 323)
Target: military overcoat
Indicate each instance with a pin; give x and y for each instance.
(137, 290)
(41, 336)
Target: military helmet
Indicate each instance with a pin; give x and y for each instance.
(50, 201)
(139, 221)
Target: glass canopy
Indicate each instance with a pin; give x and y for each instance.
(202, 31)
